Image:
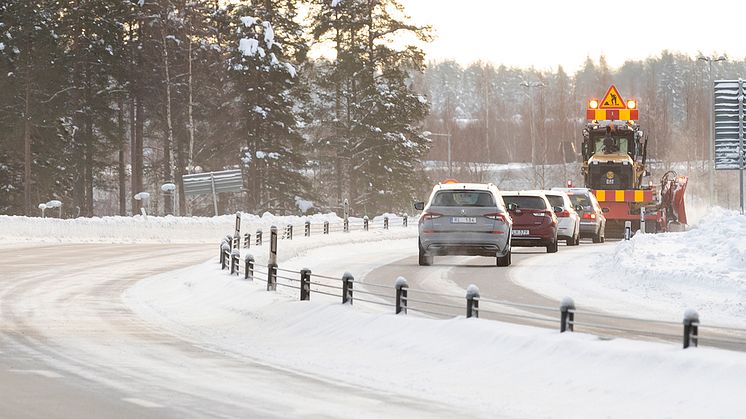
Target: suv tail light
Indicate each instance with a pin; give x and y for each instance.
(429, 216)
(589, 216)
(563, 214)
(497, 216)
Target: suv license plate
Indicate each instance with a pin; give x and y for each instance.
(520, 232)
(464, 220)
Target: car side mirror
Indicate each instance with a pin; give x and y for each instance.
(605, 210)
(512, 206)
(578, 207)
(419, 206)
(558, 209)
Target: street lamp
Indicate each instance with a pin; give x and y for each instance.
(711, 147)
(529, 86)
(448, 138)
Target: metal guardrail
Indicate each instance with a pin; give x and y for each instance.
(402, 298)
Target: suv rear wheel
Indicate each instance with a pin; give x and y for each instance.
(425, 259)
(504, 260)
(552, 247)
(598, 238)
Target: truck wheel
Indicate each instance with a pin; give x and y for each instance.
(552, 247)
(504, 260)
(425, 259)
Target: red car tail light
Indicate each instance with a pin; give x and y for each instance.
(589, 216)
(563, 214)
(497, 216)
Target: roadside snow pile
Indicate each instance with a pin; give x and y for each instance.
(483, 368)
(653, 275)
(139, 229)
(705, 267)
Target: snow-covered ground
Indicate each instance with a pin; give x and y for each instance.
(139, 229)
(484, 368)
(654, 275)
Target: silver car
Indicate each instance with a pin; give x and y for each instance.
(467, 219)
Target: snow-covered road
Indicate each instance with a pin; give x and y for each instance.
(72, 348)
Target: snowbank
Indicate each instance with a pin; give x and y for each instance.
(150, 229)
(654, 274)
(483, 368)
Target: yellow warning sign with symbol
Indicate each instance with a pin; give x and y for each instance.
(612, 99)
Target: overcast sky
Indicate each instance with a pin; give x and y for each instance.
(545, 33)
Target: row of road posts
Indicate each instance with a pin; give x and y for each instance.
(728, 114)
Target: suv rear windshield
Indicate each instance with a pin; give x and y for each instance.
(463, 199)
(581, 199)
(556, 200)
(526, 202)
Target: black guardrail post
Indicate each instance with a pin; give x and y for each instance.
(405, 220)
(247, 240)
(248, 272)
(222, 253)
(385, 223)
(401, 286)
(567, 315)
(326, 227)
(272, 265)
(307, 229)
(347, 280)
(259, 237)
(691, 326)
(289, 232)
(346, 224)
(225, 249)
(472, 301)
(235, 257)
(305, 284)
(627, 230)
(366, 221)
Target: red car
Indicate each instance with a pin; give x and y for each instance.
(534, 220)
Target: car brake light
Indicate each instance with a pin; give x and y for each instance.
(543, 214)
(564, 213)
(429, 216)
(497, 216)
(589, 216)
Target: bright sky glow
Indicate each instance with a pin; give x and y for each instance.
(545, 33)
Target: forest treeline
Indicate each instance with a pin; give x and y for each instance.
(104, 99)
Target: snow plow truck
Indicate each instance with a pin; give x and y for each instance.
(614, 154)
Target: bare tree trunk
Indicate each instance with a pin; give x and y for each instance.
(120, 168)
(27, 148)
(167, 164)
(88, 152)
(190, 163)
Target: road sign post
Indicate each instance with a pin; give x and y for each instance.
(728, 111)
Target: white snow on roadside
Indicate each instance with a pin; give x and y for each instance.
(151, 229)
(484, 368)
(654, 275)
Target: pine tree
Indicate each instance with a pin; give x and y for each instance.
(377, 113)
(264, 59)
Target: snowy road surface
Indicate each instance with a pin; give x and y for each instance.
(70, 347)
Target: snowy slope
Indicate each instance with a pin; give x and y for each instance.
(657, 275)
(484, 368)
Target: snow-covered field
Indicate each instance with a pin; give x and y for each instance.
(485, 368)
(654, 275)
(139, 229)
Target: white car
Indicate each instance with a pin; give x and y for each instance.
(569, 219)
